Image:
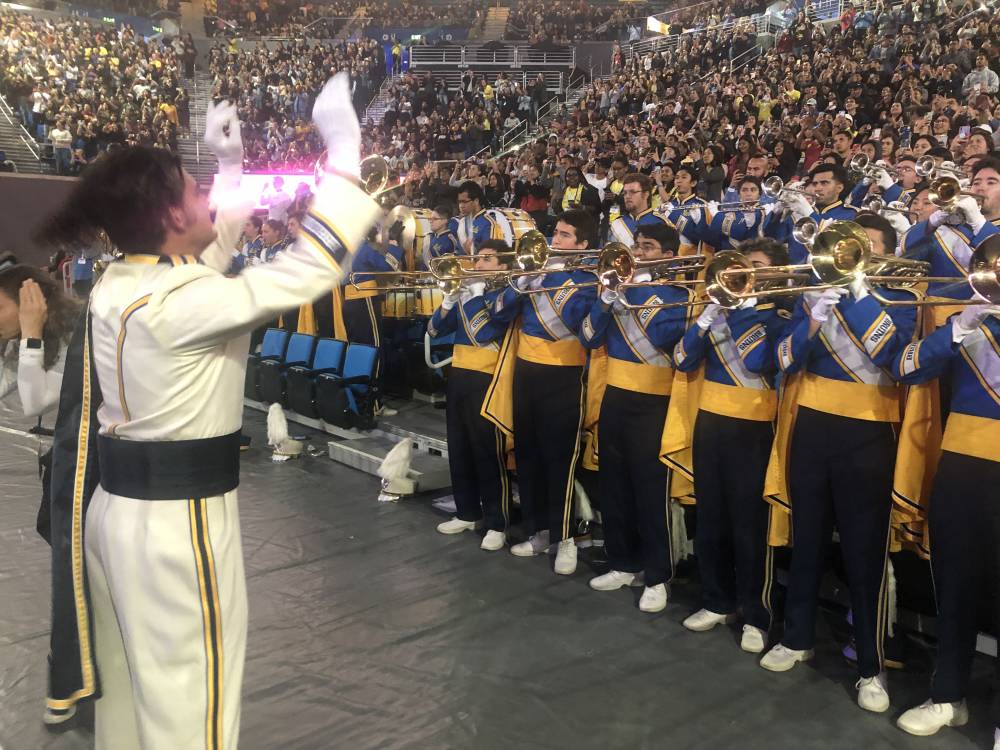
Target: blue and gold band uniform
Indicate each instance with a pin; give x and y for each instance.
(779, 227)
(478, 228)
(965, 497)
(691, 224)
(476, 453)
(443, 243)
(548, 394)
(948, 250)
(728, 228)
(624, 226)
(891, 194)
(633, 481)
(841, 458)
(731, 446)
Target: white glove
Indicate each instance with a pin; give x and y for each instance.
(747, 304)
(860, 287)
(337, 122)
(968, 208)
(522, 282)
(938, 218)
(449, 301)
(821, 304)
(709, 315)
(797, 205)
(899, 222)
(769, 207)
(642, 276)
(609, 296)
(227, 146)
(882, 179)
(476, 288)
(537, 281)
(968, 321)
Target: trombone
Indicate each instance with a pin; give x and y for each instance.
(395, 281)
(877, 205)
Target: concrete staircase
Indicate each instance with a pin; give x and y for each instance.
(197, 159)
(495, 25)
(375, 111)
(18, 146)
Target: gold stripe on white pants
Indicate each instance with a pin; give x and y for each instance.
(168, 596)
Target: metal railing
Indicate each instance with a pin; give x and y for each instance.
(508, 56)
(25, 136)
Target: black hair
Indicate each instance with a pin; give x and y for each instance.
(472, 189)
(987, 162)
(752, 181)
(444, 210)
(127, 194)
(276, 225)
(62, 310)
(257, 221)
(881, 225)
(501, 248)
(667, 236)
(838, 171)
(583, 223)
(776, 252)
(940, 152)
(690, 168)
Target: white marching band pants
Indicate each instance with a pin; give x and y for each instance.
(168, 596)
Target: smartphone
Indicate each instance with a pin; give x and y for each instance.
(963, 132)
(904, 136)
(877, 133)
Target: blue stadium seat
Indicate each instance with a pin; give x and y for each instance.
(346, 400)
(300, 384)
(272, 348)
(271, 379)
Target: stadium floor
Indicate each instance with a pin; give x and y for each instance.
(368, 629)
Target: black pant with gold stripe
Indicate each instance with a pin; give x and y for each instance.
(548, 412)
(476, 456)
(734, 560)
(633, 483)
(363, 321)
(965, 534)
(840, 473)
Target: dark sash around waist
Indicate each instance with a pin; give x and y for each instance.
(170, 470)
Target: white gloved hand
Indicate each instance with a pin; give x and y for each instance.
(476, 288)
(860, 288)
(537, 281)
(522, 282)
(899, 222)
(709, 315)
(798, 205)
(449, 301)
(968, 321)
(968, 208)
(883, 179)
(938, 218)
(609, 296)
(222, 136)
(642, 276)
(747, 304)
(337, 122)
(821, 304)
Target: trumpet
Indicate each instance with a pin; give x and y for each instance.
(928, 168)
(804, 230)
(861, 164)
(946, 191)
(877, 205)
(774, 187)
(374, 171)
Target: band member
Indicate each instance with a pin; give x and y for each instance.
(273, 237)
(250, 245)
(963, 506)
(827, 183)
(152, 408)
(686, 211)
(548, 388)
(728, 228)
(633, 481)
(472, 226)
(579, 194)
(636, 192)
(837, 351)
(444, 241)
(731, 448)
(476, 455)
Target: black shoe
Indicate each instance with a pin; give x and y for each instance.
(245, 442)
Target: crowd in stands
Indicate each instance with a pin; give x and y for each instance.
(275, 89)
(293, 18)
(85, 87)
(570, 21)
(133, 7)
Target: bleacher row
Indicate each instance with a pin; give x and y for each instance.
(319, 378)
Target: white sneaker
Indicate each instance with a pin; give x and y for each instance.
(566, 557)
(612, 581)
(386, 411)
(52, 716)
(654, 598)
(754, 639)
(456, 526)
(873, 693)
(705, 619)
(781, 658)
(927, 718)
(536, 545)
(996, 739)
(493, 541)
